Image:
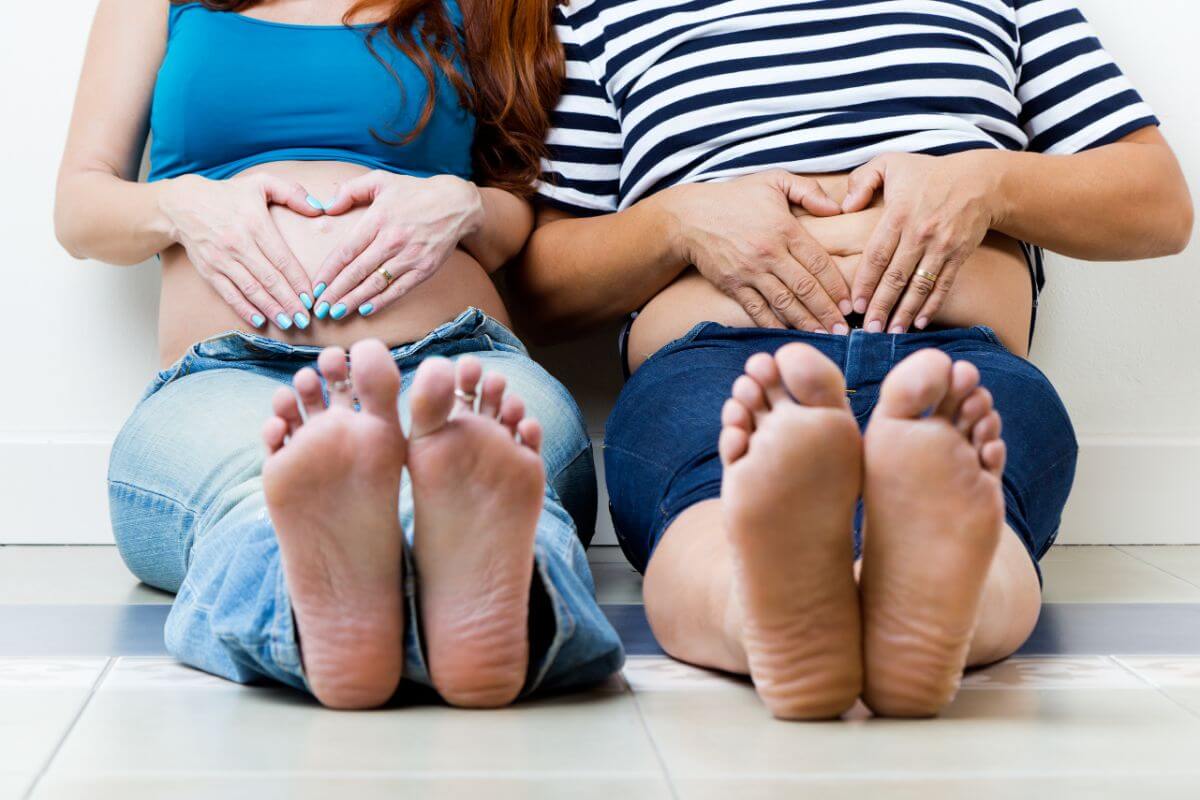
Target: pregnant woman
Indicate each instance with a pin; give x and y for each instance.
(827, 216)
(310, 187)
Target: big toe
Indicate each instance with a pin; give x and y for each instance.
(916, 385)
(810, 377)
(376, 378)
(432, 396)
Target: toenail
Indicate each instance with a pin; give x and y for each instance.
(322, 310)
(283, 322)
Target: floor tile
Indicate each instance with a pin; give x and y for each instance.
(1176, 676)
(1181, 786)
(617, 584)
(730, 735)
(1107, 575)
(1053, 672)
(146, 720)
(39, 699)
(359, 787)
(70, 576)
(1182, 561)
(665, 674)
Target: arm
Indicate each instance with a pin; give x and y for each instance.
(741, 235)
(505, 227)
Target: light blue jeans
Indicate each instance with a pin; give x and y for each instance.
(189, 515)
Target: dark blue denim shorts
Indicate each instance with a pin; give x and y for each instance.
(660, 448)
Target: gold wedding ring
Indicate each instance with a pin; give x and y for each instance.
(387, 276)
(929, 276)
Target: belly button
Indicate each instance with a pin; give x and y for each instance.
(324, 225)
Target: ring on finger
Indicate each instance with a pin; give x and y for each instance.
(927, 275)
(387, 276)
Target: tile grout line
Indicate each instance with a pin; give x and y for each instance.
(41, 773)
(1163, 692)
(658, 756)
(1135, 556)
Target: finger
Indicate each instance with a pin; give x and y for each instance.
(862, 185)
(920, 287)
(228, 292)
(276, 250)
(892, 283)
(360, 238)
(250, 288)
(786, 306)
(937, 298)
(274, 282)
(360, 191)
(757, 307)
(810, 195)
(833, 299)
(402, 285)
(352, 275)
(282, 192)
(875, 259)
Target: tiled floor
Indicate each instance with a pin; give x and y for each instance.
(1113, 713)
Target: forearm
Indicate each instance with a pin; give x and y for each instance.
(99, 215)
(579, 272)
(1124, 201)
(507, 223)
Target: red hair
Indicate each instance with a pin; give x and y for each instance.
(514, 73)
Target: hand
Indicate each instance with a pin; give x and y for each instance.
(233, 243)
(937, 211)
(412, 227)
(743, 237)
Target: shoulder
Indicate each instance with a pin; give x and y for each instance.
(136, 18)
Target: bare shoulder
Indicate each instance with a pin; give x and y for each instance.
(134, 16)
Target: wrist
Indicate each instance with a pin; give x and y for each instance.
(669, 220)
(994, 168)
(469, 199)
(167, 200)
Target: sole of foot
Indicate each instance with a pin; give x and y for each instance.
(478, 483)
(934, 514)
(332, 483)
(792, 455)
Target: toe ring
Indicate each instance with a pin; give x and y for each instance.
(467, 397)
(341, 386)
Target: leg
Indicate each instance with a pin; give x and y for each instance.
(778, 599)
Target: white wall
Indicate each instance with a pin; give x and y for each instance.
(77, 340)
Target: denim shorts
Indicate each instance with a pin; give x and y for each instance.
(660, 448)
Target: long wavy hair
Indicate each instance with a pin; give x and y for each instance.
(513, 78)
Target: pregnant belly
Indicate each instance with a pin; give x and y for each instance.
(993, 286)
(190, 310)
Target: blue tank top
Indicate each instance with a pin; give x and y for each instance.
(234, 91)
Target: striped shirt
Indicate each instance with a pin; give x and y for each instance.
(663, 92)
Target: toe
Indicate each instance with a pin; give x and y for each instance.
(274, 431)
(916, 385)
(432, 396)
(468, 373)
(491, 395)
(512, 411)
(986, 430)
(530, 431)
(977, 406)
(749, 393)
(732, 444)
(376, 378)
(992, 455)
(308, 386)
(964, 378)
(763, 369)
(336, 372)
(811, 378)
(736, 415)
(286, 409)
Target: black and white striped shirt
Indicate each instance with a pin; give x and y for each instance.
(663, 92)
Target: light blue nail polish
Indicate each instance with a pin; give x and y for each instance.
(306, 300)
(315, 203)
(283, 322)
(365, 309)
(257, 320)
(322, 310)
(338, 311)
(318, 289)
(301, 320)
(328, 204)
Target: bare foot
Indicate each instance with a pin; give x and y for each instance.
(478, 483)
(934, 513)
(792, 455)
(333, 492)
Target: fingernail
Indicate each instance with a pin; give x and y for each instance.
(860, 306)
(365, 309)
(328, 204)
(304, 298)
(258, 320)
(322, 310)
(315, 203)
(301, 320)
(338, 311)
(875, 326)
(319, 289)
(841, 329)
(922, 322)
(283, 321)
(845, 307)
(897, 329)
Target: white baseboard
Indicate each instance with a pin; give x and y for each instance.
(1127, 491)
